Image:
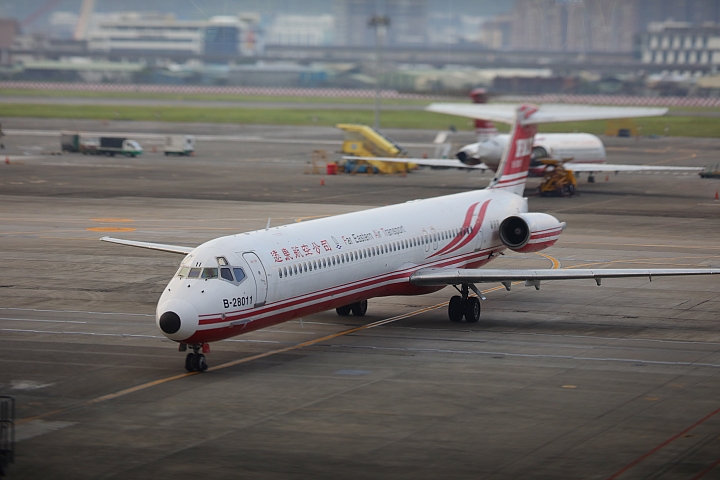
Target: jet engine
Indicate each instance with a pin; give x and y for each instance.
(488, 152)
(530, 232)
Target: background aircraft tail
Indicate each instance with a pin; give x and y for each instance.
(512, 170)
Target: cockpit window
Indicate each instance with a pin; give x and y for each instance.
(209, 273)
(194, 273)
(226, 274)
(183, 272)
(239, 274)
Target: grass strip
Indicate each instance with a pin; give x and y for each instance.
(685, 126)
(21, 92)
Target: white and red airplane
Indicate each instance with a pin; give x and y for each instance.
(239, 283)
(577, 148)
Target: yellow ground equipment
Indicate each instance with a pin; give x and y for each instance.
(364, 141)
(622, 127)
(557, 181)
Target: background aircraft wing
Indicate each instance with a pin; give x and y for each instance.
(431, 162)
(443, 276)
(152, 246)
(546, 113)
(609, 167)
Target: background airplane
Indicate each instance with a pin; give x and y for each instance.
(239, 283)
(557, 157)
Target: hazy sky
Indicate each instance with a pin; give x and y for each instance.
(201, 9)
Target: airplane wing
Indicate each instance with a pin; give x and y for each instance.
(430, 162)
(152, 246)
(609, 167)
(547, 113)
(436, 277)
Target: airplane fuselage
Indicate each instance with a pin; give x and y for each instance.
(579, 147)
(295, 270)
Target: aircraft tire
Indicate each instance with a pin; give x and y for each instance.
(344, 311)
(359, 309)
(201, 364)
(472, 310)
(189, 362)
(455, 309)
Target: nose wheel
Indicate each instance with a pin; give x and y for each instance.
(464, 306)
(195, 362)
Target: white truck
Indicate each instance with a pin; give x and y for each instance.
(179, 145)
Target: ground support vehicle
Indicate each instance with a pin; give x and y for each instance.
(557, 181)
(179, 145)
(110, 146)
(711, 171)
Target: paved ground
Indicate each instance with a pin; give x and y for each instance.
(572, 381)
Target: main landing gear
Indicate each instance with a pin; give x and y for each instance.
(195, 362)
(465, 306)
(359, 309)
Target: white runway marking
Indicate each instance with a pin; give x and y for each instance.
(38, 427)
(531, 355)
(77, 311)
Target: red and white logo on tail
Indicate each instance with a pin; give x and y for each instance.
(513, 169)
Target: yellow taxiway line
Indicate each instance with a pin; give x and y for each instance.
(160, 381)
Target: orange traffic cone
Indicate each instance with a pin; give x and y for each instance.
(322, 182)
(7, 160)
(607, 178)
(716, 195)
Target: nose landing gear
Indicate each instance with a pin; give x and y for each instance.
(195, 362)
(465, 306)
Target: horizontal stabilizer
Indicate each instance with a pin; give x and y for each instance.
(427, 162)
(547, 113)
(437, 277)
(152, 246)
(609, 167)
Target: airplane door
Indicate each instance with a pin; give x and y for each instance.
(258, 272)
(478, 240)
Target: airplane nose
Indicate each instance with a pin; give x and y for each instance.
(169, 322)
(177, 319)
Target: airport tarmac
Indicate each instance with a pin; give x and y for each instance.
(571, 381)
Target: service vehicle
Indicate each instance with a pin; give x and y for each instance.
(179, 145)
(110, 146)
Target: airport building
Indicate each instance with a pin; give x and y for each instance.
(301, 30)
(680, 44)
(135, 33)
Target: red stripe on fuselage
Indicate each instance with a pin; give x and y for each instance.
(336, 290)
(475, 229)
(474, 260)
(466, 223)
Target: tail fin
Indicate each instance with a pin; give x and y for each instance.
(485, 129)
(512, 171)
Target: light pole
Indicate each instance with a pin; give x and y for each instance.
(380, 24)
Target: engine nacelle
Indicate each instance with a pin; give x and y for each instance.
(530, 232)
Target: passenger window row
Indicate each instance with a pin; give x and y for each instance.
(341, 258)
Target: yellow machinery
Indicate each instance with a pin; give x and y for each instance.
(622, 127)
(364, 141)
(557, 181)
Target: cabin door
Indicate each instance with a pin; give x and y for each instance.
(258, 272)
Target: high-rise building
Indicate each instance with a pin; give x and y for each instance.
(598, 25)
(574, 25)
(408, 22)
